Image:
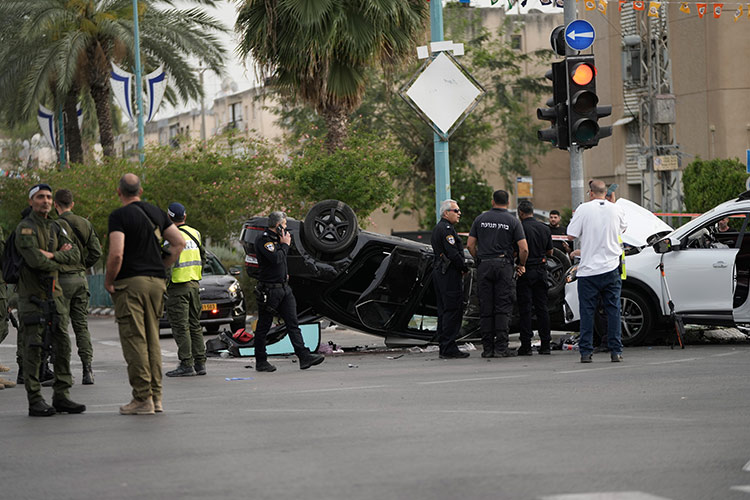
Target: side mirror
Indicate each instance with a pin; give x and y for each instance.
(235, 270)
(663, 246)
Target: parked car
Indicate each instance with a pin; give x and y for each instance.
(372, 282)
(222, 300)
(706, 271)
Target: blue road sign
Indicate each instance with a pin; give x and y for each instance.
(579, 35)
(747, 161)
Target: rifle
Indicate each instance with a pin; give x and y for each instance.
(50, 321)
(12, 318)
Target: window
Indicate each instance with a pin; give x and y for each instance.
(515, 42)
(235, 114)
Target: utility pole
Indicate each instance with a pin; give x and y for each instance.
(576, 153)
(201, 69)
(440, 146)
(138, 81)
(61, 137)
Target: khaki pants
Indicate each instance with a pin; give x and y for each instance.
(184, 312)
(75, 289)
(139, 302)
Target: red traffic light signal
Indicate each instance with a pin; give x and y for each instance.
(583, 112)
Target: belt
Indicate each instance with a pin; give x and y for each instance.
(272, 285)
(535, 265)
(499, 257)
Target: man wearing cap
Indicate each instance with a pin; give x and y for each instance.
(73, 279)
(136, 273)
(184, 301)
(45, 246)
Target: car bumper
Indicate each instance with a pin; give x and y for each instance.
(570, 306)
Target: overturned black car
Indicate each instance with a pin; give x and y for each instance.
(372, 282)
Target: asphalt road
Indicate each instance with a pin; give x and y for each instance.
(665, 424)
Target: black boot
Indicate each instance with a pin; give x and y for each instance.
(64, 405)
(41, 409)
(310, 359)
(182, 371)
(264, 366)
(88, 375)
(524, 350)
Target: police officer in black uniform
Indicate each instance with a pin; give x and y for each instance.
(493, 238)
(447, 277)
(531, 288)
(275, 296)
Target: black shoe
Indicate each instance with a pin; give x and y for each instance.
(182, 371)
(524, 350)
(505, 354)
(88, 375)
(586, 358)
(488, 354)
(200, 368)
(309, 360)
(545, 349)
(455, 355)
(68, 406)
(616, 358)
(264, 366)
(41, 409)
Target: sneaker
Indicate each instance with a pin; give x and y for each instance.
(64, 405)
(41, 409)
(136, 407)
(264, 366)
(455, 355)
(7, 383)
(311, 359)
(182, 371)
(200, 368)
(586, 358)
(616, 358)
(524, 351)
(158, 408)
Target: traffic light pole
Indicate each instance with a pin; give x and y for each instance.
(576, 153)
(440, 146)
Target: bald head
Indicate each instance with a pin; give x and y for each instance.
(598, 188)
(130, 186)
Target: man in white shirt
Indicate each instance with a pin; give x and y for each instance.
(597, 224)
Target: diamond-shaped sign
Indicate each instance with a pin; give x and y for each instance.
(443, 94)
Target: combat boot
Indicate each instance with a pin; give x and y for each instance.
(182, 371)
(65, 405)
(524, 350)
(264, 366)
(88, 375)
(200, 368)
(136, 407)
(4, 368)
(41, 409)
(7, 383)
(158, 408)
(310, 359)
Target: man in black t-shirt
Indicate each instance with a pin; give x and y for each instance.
(136, 279)
(558, 229)
(532, 286)
(494, 236)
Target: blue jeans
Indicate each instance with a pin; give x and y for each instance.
(590, 288)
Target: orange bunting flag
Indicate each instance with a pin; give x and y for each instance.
(621, 2)
(738, 13)
(590, 5)
(653, 9)
(701, 9)
(603, 7)
(685, 7)
(717, 10)
(638, 5)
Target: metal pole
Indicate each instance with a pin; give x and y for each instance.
(203, 109)
(61, 137)
(440, 147)
(138, 82)
(576, 154)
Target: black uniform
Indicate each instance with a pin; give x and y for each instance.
(532, 285)
(272, 281)
(559, 231)
(448, 281)
(497, 233)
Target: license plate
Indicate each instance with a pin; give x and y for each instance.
(208, 307)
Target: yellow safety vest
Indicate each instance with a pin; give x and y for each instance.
(189, 267)
(623, 272)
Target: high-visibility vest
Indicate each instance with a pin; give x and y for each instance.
(189, 267)
(623, 272)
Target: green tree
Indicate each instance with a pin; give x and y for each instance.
(320, 52)
(706, 183)
(52, 49)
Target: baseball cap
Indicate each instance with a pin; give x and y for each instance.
(39, 187)
(176, 211)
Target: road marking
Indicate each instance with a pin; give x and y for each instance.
(334, 389)
(588, 370)
(495, 412)
(459, 380)
(746, 468)
(744, 489)
(673, 361)
(620, 495)
(724, 354)
(110, 343)
(640, 417)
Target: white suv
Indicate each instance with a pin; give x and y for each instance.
(707, 271)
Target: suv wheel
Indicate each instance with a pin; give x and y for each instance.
(637, 315)
(330, 226)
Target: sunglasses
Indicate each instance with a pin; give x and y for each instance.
(456, 210)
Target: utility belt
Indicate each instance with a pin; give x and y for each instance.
(538, 264)
(500, 257)
(266, 284)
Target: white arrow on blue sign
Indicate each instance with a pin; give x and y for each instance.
(579, 35)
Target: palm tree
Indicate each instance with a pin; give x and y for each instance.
(50, 48)
(320, 51)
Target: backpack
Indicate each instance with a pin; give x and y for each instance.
(12, 260)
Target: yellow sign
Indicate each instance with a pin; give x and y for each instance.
(665, 162)
(525, 187)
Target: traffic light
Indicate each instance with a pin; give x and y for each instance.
(583, 113)
(556, 112)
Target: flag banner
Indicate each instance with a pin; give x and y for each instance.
(717, 10)
(546, 2)
(46, 120)
(685, 7)
(589, 5)
(79, 115)
(493, 2)
(653, 9)
(701, 9)
(523, 3)
(560, 3)
(122, 87)
(638, 5)
(510, 4)
(156, 85)
(602, 7)
(620, 6)
(738, 13)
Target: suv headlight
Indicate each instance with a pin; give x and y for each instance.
(233, 289)
(571, 275)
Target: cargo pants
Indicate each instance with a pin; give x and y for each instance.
(184, 312)
(139, 302)
(76, 295)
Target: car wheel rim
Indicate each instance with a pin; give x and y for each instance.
(632, 318)
(331, 226)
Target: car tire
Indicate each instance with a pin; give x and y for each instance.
(638, 319)
(557, 266)
(330, 226)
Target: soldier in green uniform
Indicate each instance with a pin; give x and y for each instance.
(184, 301)
(44, 246)
(4, 317)
(73, 280)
